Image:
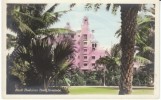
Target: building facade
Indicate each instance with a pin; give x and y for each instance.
(87, 48)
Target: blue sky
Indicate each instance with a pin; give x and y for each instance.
(103, 22)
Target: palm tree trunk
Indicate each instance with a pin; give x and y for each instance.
(128, 17)
(45, 84)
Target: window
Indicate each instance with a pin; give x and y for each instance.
(74, 40)
(85, 64)
(92, 45)
(85, 57)
(85, 43)
(85, 36)
(85, 50)
(93, 57)
(93, 64)
(95, 45)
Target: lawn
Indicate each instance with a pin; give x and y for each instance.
(108, 90)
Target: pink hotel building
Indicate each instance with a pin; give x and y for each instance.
(87, 48)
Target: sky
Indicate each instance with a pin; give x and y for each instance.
(103, 22)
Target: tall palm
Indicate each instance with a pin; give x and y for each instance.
(145, 42)
(129, 14)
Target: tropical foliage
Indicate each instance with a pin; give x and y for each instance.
(111, 62)
(144, 46)
(128, 30)
(38, 57)
(42, 59)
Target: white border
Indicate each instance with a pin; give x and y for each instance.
(157, 48)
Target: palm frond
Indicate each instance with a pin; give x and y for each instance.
(62, 51)
(139, 40)
(25, 17)
(116, 50)
(51, 9)
(51, 17)
(19, 68)
(11, 41)
(52, 31)
(97, 6)
(72, 5)
(108, 7)
(146, 24)
(67, 81)
(118, 33)
(88, 6)
(115, 8)
(142, 60)
(148, 49)
(63, 68)
(20, 52)
(146, 9)
(28, 16)
(41, 55)
(24, 28)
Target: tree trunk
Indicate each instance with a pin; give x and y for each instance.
(46, 83)
(129, 18)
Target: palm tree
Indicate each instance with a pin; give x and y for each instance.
(49, 61)
(129, 14)
(52, 60)
(145, 42)
(112, 65)
(29, 21)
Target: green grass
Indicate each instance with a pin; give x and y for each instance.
(107, 90)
